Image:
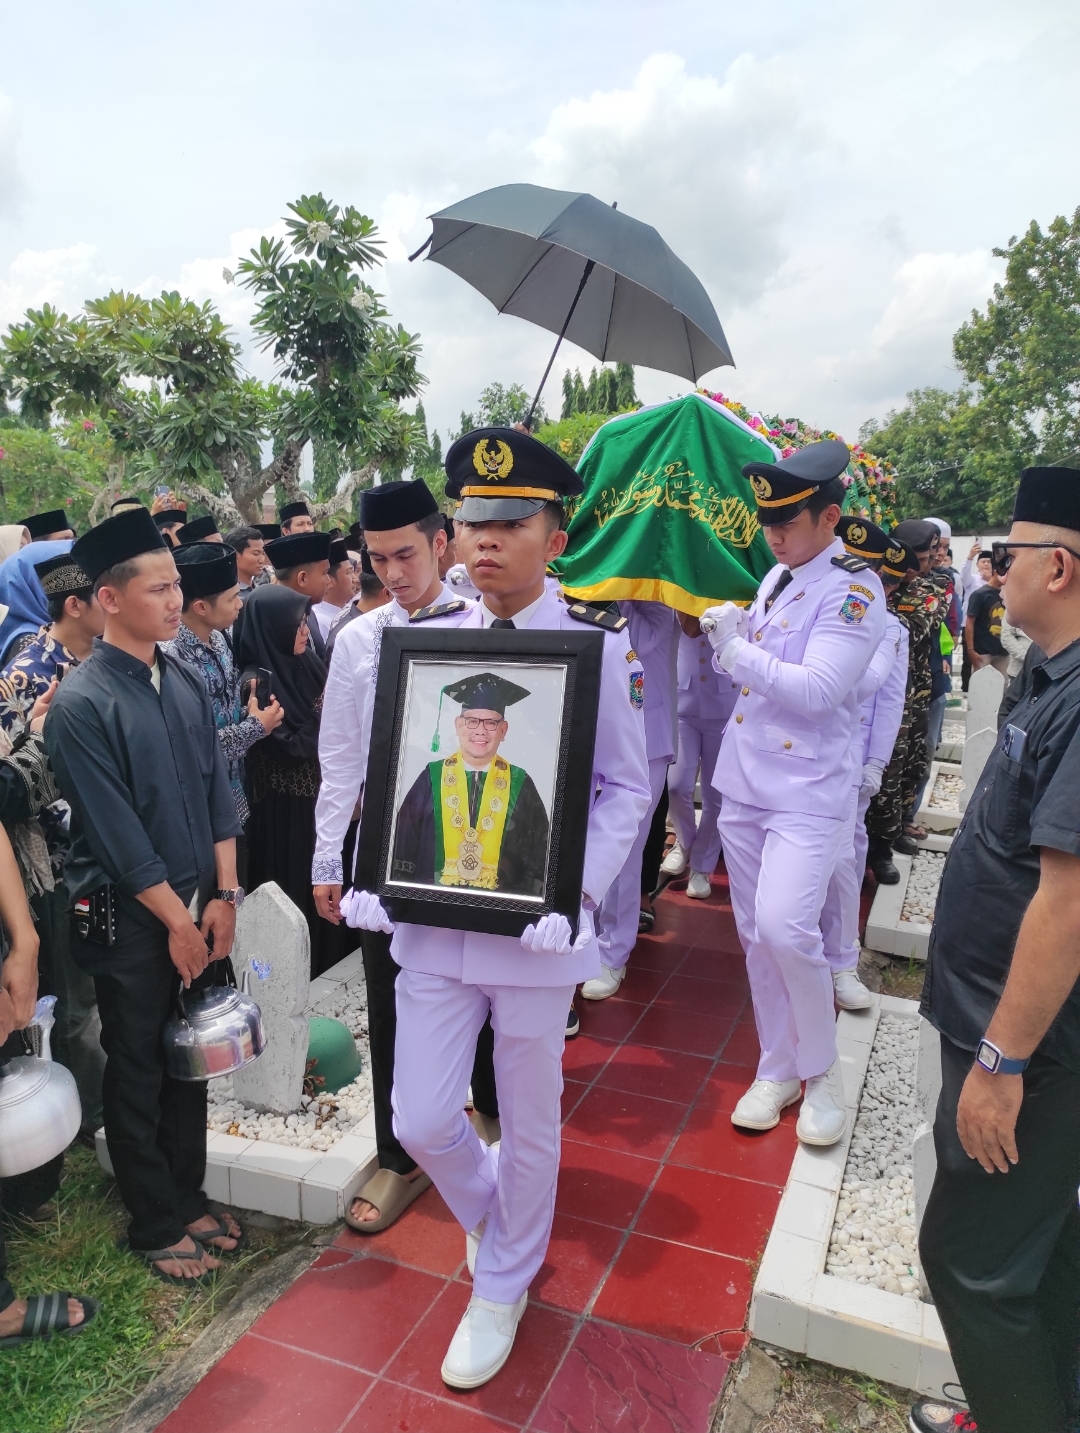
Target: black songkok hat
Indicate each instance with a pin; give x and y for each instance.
(297, 549)
(117, 539)
(125, 505)
(168, 516)
(783, 489)
(198, 530)
(393, 505)
(499, 474)
(1050, 496)
(900, 559)
(917, 533)
(339, 551)
(61, 577)
(41, 524)
(862, 538)
(270, 530)
(206, 568)
(291, 510)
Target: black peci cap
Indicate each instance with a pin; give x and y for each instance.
(198, 530)
(298, 549)
(862, 538)
(783, 489)
(61, 577)
(205, 568)
(41, 524)
(128, 504)
(394, 505)
(270, 530)
(339, 551)
(291, 510)
(917, 533)
(499, 474)
(1050, 496)
(118, 539)
(168, 517)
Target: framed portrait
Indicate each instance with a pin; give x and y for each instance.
(479, 780)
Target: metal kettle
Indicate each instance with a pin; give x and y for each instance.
(215, 1030)
(40, 1112)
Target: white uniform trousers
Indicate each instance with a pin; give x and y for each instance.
(840, 913)
(513, 1186)
(617, 918)
(778, 865)
(699, 747)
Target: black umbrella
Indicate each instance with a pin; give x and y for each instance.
(578, 267)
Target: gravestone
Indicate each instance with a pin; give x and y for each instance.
(977, 749)
(274, 947)
(985, 690)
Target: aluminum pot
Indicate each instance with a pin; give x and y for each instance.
(40, 1112)
(215, 1031)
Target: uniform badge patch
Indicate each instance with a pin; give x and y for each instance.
(637, 690)
(853, 610)
(863, 591)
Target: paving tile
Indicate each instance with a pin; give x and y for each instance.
(742, 1047)
(586, 1055)
(571, 1096)
(662, 949)
(577, 1258)
(707, 997)
(663, 1074)
(683, 1030)
(390, 1408)
(725, 1087)
(710, 1211)
(635, 1124)
(711, 1141)
(603, 1185)
(609, 1019)
(260, 1387)
(675, 1292)
(729, 967)
(427, 1236)
(543, 1337)
(358, 1312)
(641, 983)
(616, 1381)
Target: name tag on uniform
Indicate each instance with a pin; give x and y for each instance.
(1012, 741)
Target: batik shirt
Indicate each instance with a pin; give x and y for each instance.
(237, 731)
(27, 676)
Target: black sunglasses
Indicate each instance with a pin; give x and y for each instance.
(1001, 553)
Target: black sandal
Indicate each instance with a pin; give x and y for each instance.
(47, 1314)
(222, 1231)
(645, 921)
(152, 1257)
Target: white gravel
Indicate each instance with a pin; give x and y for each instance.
(920, 897)
(873, 1239)
(953, 733)
(321, 1120)
(946, 793)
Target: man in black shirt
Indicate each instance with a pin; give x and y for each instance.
(132, 740)
(1000, 1241)
(982, 626)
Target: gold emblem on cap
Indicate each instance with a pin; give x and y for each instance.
(856, 534)
(894, 554)
(492, 463)
(762, 487)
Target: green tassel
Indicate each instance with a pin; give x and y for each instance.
(435, 740)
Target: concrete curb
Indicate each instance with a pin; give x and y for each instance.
(171, 1387)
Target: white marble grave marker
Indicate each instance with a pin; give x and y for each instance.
(985, 690)
(977, 751)
(273, 945)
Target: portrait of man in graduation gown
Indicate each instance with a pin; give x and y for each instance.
(473, 819)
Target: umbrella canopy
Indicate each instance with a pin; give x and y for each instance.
(542, 254)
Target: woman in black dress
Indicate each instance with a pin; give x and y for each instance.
(283, 771)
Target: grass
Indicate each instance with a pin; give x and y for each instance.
(81, 1383)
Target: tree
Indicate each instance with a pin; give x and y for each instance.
(929, 442)
(609, 390)
(162, 374)
(44, 470)
(501, 407)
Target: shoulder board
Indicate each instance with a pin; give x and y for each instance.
(849, 562)
(596, 616)
(438, 609)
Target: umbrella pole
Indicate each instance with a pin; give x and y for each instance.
(562, 334)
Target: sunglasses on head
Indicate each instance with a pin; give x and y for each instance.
(1001, 553)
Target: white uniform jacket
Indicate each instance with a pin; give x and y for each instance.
(345, 730)
(620, 782)
(704, 694)
(788, 745)
(882, 710)
(654, 633)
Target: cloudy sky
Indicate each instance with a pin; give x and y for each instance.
(836, 173)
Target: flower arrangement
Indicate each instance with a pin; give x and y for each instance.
(870, 480)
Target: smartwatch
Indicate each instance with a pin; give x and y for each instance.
(996, 1063)
(232, 898)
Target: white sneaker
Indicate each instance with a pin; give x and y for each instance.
(822, 1118)
(674, 863)
(850, 992)
(482, 1342)
(605, 984)
(698, 886)
(472, 1244)
(760, 1107)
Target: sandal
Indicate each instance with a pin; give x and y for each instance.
(152, 1257)
(47, 1314)
(389, 1193)
(645, 921)
(207, 1236)
(917, 833)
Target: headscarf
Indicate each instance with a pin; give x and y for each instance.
(21, 592)
(264, 636)
(12, 537)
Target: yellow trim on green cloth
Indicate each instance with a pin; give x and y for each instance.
(648, 589)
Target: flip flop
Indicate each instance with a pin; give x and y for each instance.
(222, 1231)
(391, 1194)
(47, 1314)
(152, 1257)
(645, 921)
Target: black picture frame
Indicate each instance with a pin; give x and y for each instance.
(404, 652)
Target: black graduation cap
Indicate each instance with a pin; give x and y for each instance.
(783, 489)
(297, 549)
(61, 577)
(1050, 496)
(205, 568)
(863, 538)
(118, 539)
(198, 530)
(899, 559)
(291, 510)
(167, 517)
(393, 505)
(499, 474)
(485, 692)
(41, 524)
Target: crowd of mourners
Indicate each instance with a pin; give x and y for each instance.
(186, 714)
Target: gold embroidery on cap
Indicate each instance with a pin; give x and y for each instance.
(491, 463)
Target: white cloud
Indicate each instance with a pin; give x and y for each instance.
(65, 278)
(11, 185)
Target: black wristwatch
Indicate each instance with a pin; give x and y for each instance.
(232, 898)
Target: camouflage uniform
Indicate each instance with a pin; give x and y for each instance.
(885, 815)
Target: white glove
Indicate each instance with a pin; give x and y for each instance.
(724, 631)
(872, 774)
(363, 911)
(458, 575)
(552, 933)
